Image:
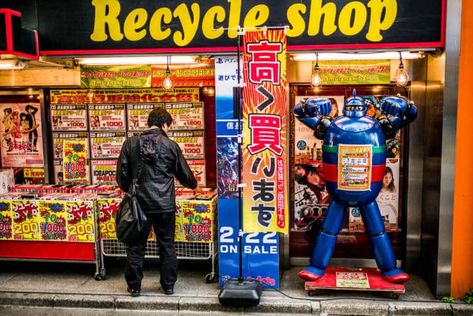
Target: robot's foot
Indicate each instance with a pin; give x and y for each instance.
(311, 274)
(396, 276)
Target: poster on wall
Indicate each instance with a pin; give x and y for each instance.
(59, 173)
(107, 117)
(310, 195)
(387, 199)
(21, 135)
(106, 144)
(104, 171)
(186, 115)
(75, 161)
(60, 137)
(264, 149)
(138, 115)
(190, 142)
(69, 117)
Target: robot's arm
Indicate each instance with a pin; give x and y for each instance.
(396, 112)
(314, 113)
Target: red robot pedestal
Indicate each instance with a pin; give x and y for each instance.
(357, 279)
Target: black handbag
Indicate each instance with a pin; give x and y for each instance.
(130, 221)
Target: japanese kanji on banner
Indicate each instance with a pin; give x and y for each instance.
(264, 132)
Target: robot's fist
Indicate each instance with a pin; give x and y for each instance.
(395, 106)
(313, 107)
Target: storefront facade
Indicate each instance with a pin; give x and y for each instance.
(118, 28)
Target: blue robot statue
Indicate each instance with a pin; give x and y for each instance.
(354, 160)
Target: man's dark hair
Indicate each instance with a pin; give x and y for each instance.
(158, 117)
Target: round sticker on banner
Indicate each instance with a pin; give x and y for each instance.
(355, 212)
(301, 145)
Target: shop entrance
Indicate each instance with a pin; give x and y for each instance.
(309, 199)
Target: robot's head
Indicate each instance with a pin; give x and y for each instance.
(354, 106)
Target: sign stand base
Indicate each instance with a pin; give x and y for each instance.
(356, 279)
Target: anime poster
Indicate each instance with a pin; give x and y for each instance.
(310, 195)
(186, 115)
(106, 144)
(6, 220)
(387, 199)
(138, 115)
(21, 135)
(190, 142)
(227, 167)
(75, 161)
(108, 209)
(104, 171)
(107, 117)
(60, 137)
(69, 117)
(80, 221)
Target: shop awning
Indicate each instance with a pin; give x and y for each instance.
(15, 41)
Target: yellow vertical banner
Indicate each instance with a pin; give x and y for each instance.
(75, 160)
(264, 169)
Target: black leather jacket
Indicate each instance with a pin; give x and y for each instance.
(162, 159)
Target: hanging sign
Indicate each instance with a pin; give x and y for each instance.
(117, 76)
(264, 132)
(75, 161)
(347, 72)
(184, 75)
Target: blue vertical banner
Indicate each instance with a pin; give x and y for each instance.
(260, 251)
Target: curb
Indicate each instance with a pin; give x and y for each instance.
(268, 305)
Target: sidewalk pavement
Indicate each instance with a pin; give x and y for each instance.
(34, 288)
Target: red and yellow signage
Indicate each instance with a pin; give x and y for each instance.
(354, 167)
(75, 161)
(264, 129)
(124, 95)
(184, 75)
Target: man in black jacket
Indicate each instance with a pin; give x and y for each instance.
(160, 160)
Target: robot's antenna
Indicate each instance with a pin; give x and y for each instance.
(354, 92)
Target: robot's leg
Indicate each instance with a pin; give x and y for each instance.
(325, 244)
(382, 249)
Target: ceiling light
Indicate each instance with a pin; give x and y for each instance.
(167, 83)
(315, 79)
(136, 60)
(402, 78)
(356, 56)
(10, 64)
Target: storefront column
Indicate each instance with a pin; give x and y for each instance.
(462, 243)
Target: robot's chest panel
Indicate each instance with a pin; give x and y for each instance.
(354, 125)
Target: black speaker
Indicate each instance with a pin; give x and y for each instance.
(240, 293)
